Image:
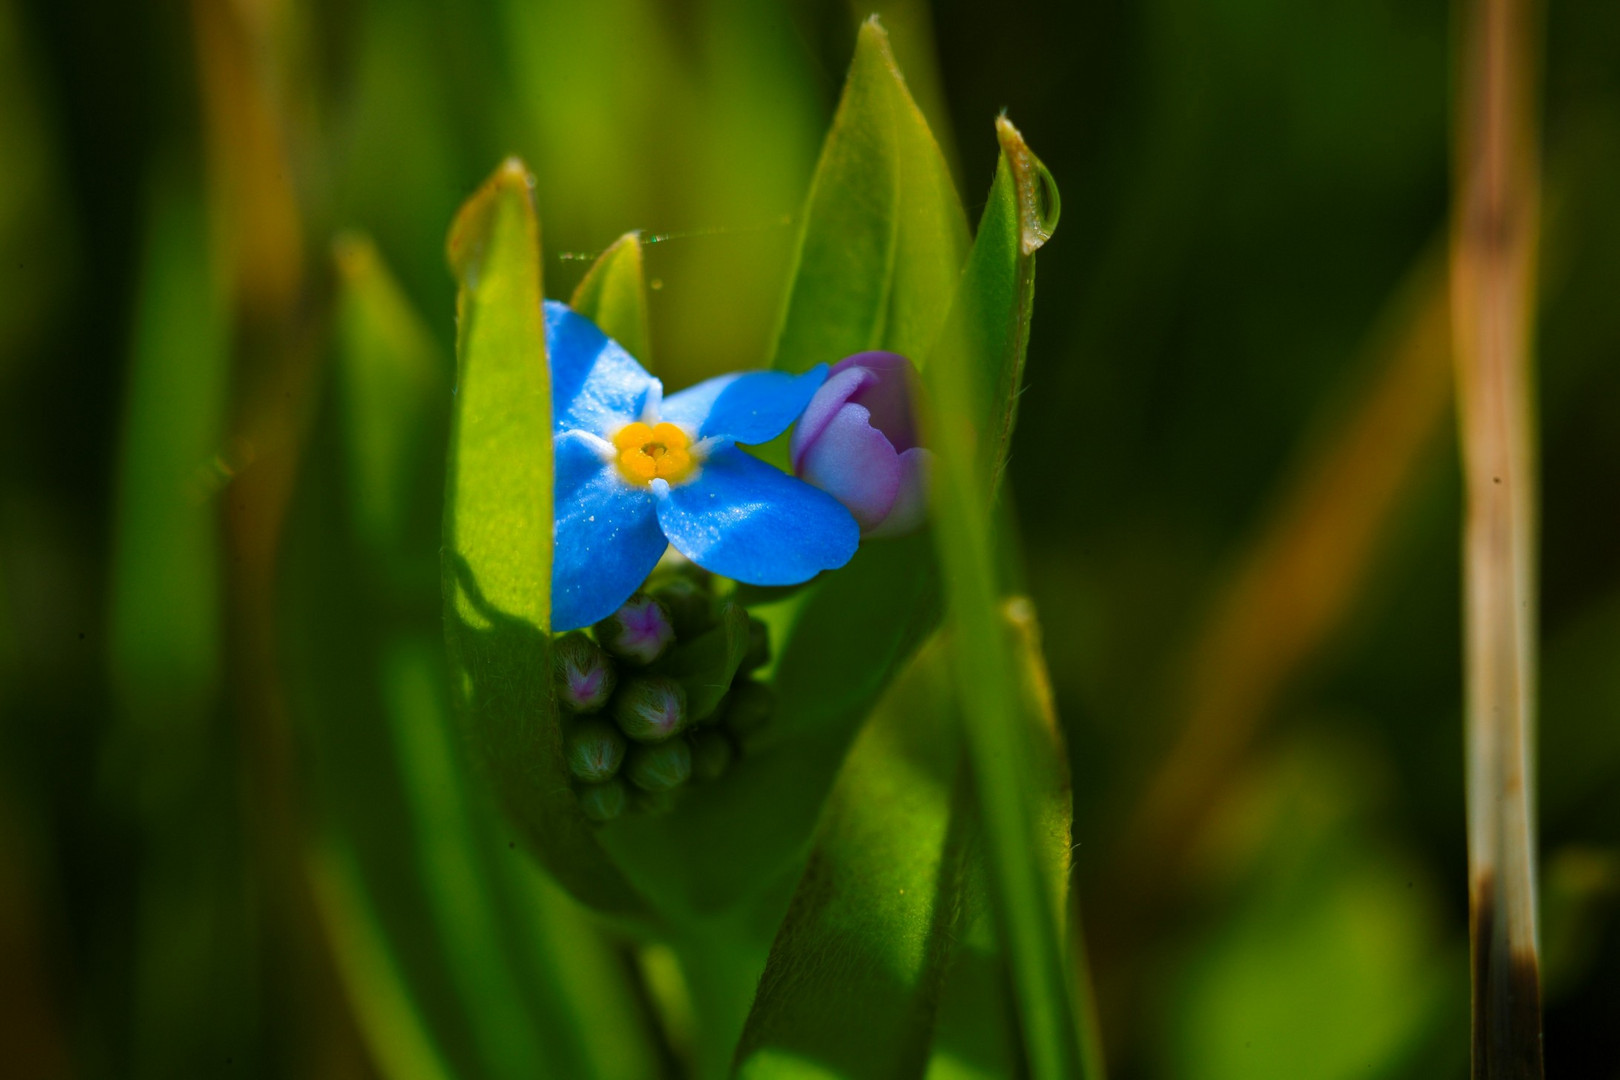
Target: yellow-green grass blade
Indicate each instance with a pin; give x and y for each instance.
(971, 380)
(394, 382)
(166, 648)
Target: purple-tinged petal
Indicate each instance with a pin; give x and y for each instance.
(888, 395)
(838, 389)
(596, 386)
(751, 407)
(852, 461)
(745, 520)
(910, 509)
(607, 538)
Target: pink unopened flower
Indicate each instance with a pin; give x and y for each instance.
(639, 631)
(584, 675)
(857, 441)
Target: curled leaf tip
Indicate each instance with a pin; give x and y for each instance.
(1038, 202)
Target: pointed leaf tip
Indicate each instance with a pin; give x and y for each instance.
(1039, 204)
(353, 254)
(464, 247)
(613, 295)
(883, 235)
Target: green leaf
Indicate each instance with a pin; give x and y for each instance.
(883, 234)
(853, 977)
(449, 941)
(613, 295)
(889, 958)
(498, 533)
(498, 502)
(706, 665)
(976, 1033)
(971, 383)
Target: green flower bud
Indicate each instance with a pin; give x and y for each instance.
(584, 675)
(650, 709)
(604, 801)
(759, 647)
(595, 750)
(690, 603)
(748, 707)
(712, 754)
(640, 631)
(660, 767)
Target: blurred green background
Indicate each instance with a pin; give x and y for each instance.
(1235, 476)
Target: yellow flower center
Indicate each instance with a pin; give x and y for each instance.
(654, 453)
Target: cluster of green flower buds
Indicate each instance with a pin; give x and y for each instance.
(641, 716)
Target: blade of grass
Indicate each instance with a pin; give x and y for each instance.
(1053, 804)
(971, 378)
(250, 168)
(1295, 584)
(497, 536)
(393, 1025)
(166, 577)
(1299, 579)
(394, 384)
(978, 1029)
(166, 628)
(1495, 228)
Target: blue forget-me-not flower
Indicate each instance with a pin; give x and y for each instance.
(636, 471)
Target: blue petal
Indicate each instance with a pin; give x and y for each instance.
(595, 385)
(752, 407)
(743, 519)
(607, 537)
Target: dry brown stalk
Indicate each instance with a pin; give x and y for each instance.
(1494, 239)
